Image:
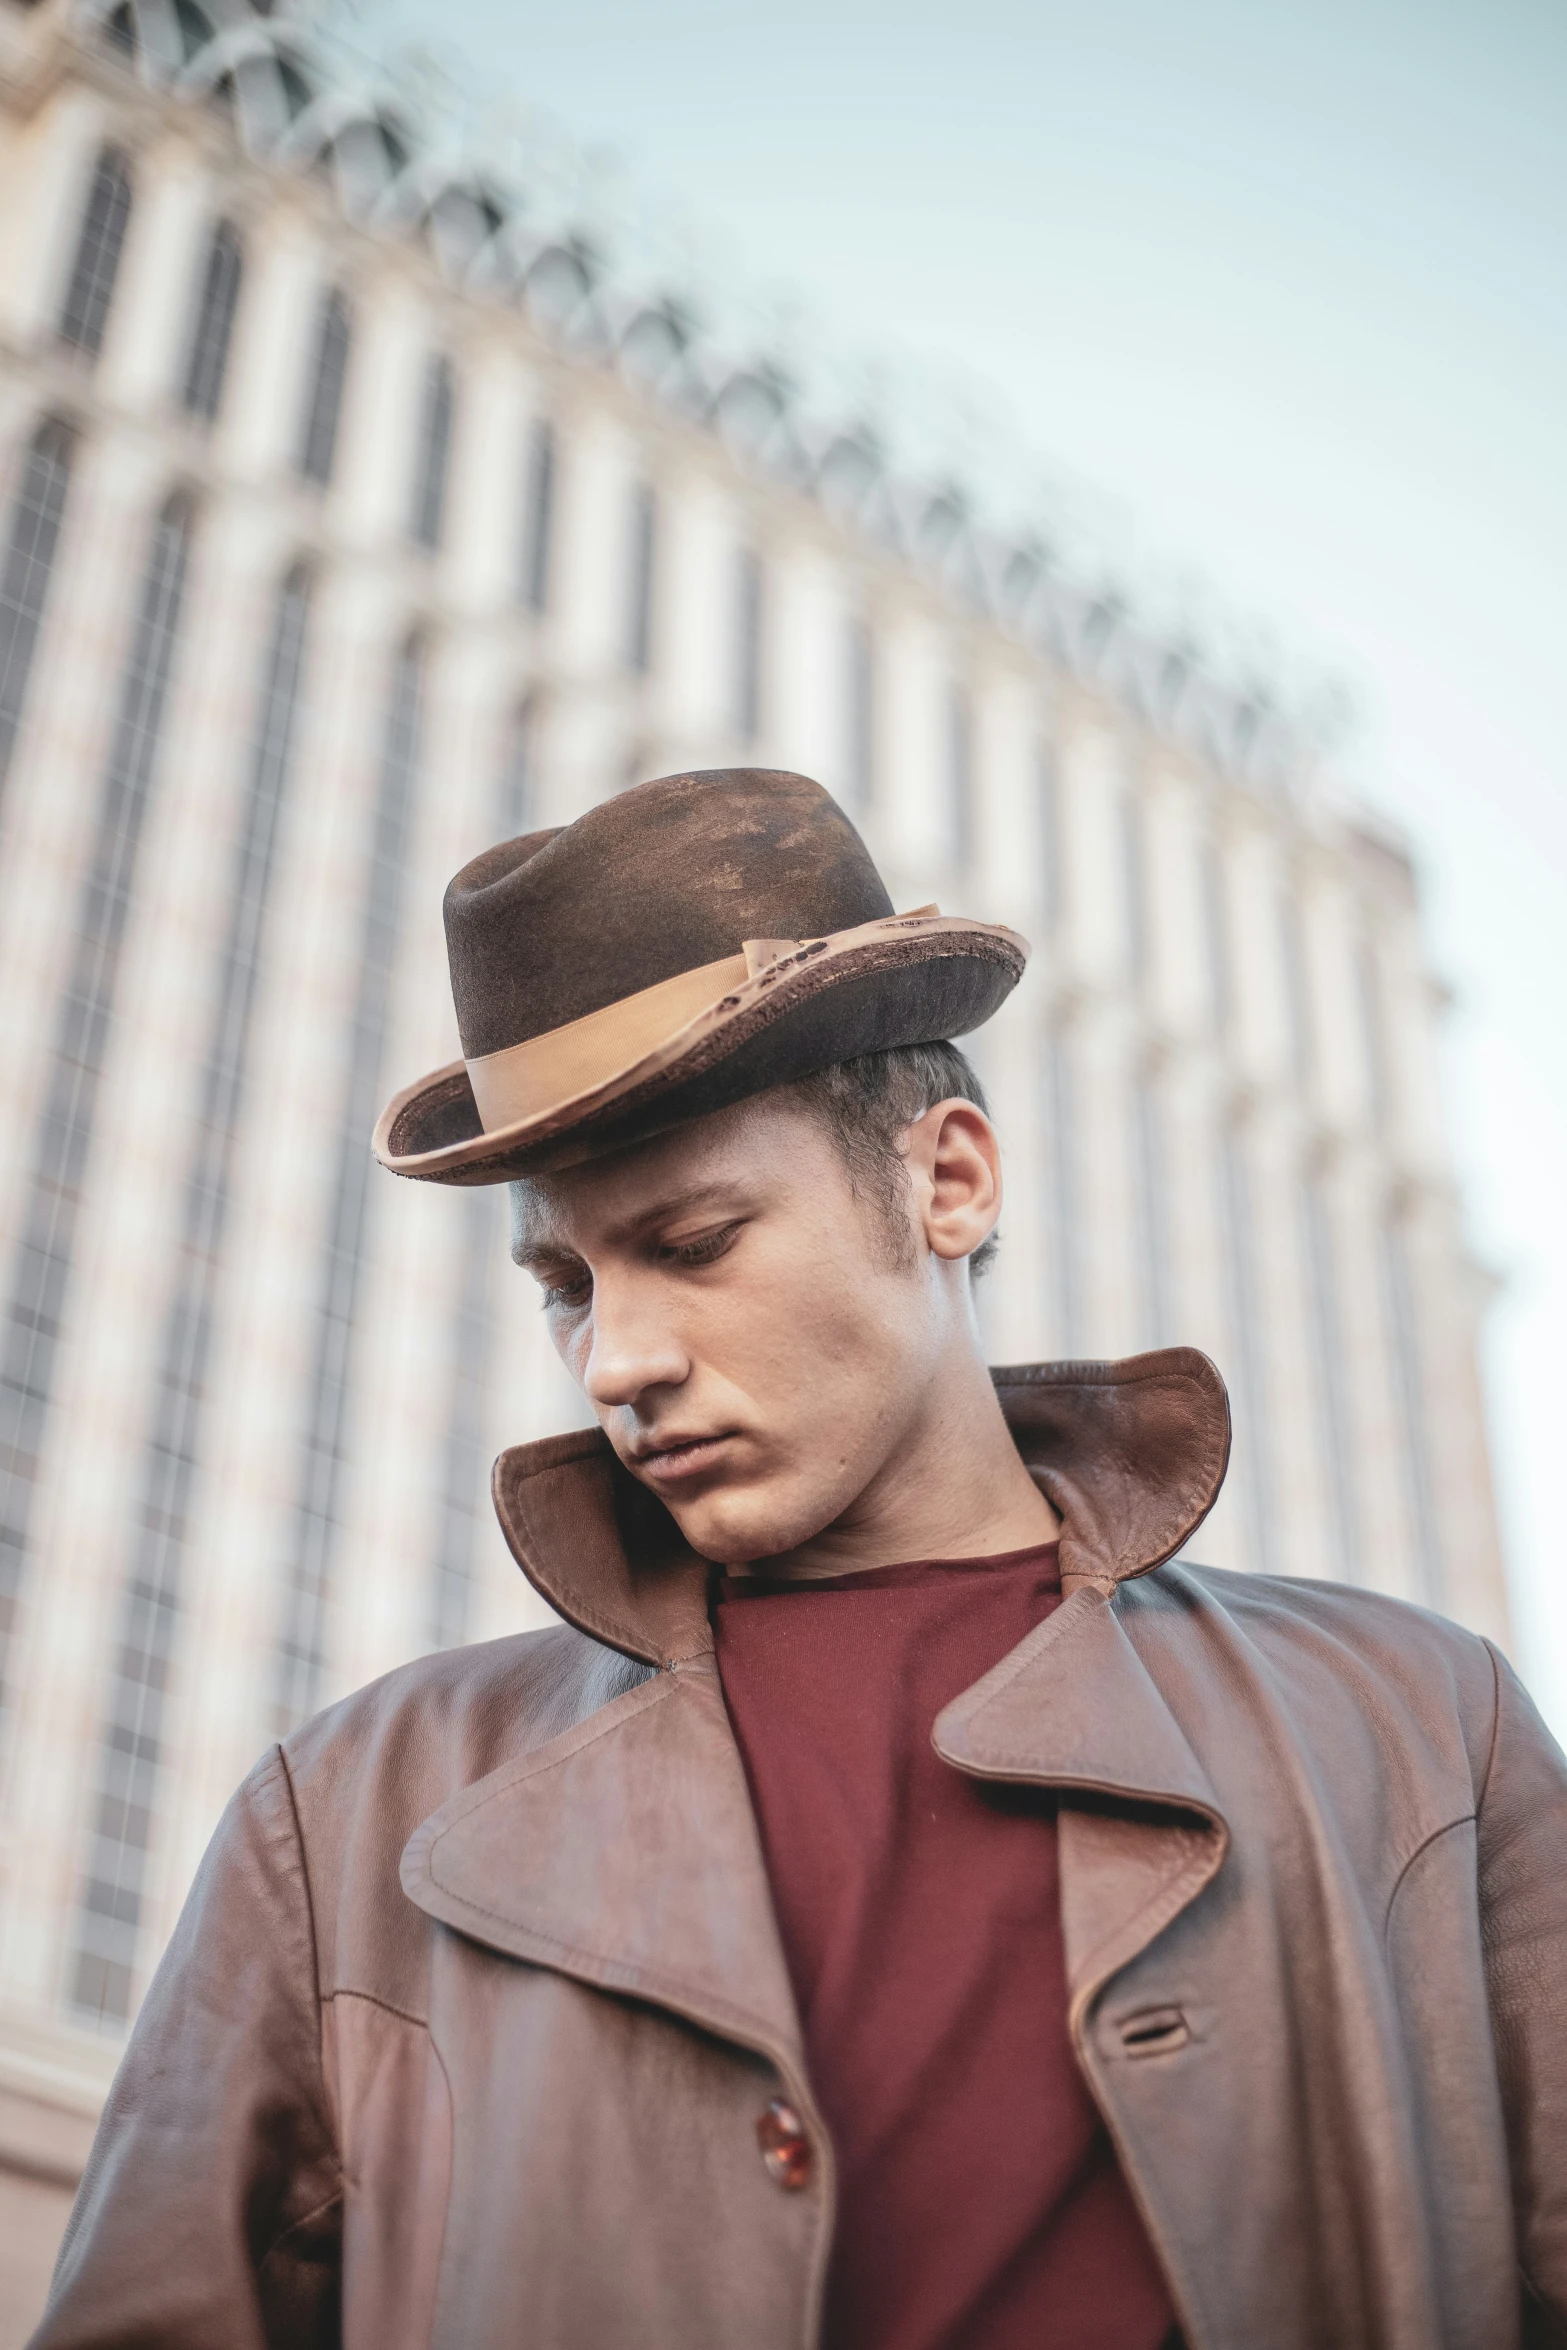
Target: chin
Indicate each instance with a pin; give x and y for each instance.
(736, 1525)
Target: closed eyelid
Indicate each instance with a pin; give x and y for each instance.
(557, 1279)
(716, 1236)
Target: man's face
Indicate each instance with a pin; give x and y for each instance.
(752, 1340)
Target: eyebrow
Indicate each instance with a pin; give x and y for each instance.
(530, 1255)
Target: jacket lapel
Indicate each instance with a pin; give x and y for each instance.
(624, 1853)
(1073, 1707)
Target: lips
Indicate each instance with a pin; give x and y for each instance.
(670, 1463)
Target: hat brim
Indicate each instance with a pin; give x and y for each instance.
(906, 979)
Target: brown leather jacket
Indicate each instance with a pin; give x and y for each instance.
(463, 2037)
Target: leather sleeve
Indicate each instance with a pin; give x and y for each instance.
(1523, 1915)
(208, 2217)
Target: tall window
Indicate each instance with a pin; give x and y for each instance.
(642, 561)
(960, 775)
(324, 401)
(749, 593)
(1134, 883)
(213, 327)
(36, 1305)
(28, 568)
(131, 1755)
(1063, 1163)
(466, 1451)
(90, 289)
(514, 794)
(302, 1646)
(1405, 1330)
(538, 520)
(1373, 1031)
(437, 414)
(860, 698)
(1153, 1212)
(1240, 1253)
(1337, 1430)
(1052, 845)
(1216, 936)
(1297, 981)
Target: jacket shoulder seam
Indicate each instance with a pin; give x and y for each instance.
(1464, 1820)
(1496, 1726)
(323, 2098)
(304, 1868)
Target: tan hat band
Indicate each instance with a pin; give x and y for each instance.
(521, 1080)
(524, 1080)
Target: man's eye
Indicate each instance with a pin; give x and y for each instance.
(568, 1294)
(704, 1251)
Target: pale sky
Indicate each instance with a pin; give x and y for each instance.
(1285, 285)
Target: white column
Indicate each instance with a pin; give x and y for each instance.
(46, 172)
(148, 338)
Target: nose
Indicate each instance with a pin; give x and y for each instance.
(632, 1345)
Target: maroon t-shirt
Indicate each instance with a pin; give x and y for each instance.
(981, 2206)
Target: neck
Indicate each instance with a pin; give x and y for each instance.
(954, 1487)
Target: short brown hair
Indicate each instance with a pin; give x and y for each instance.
(868, 1105)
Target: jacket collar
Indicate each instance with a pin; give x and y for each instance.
(1131, 1454)
(625, 1851)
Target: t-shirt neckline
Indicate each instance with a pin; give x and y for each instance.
(901, 1576)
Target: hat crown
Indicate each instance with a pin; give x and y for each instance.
(660, 880)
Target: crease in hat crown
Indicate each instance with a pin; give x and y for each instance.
(689, 943)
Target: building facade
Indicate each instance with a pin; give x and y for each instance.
(348, 523)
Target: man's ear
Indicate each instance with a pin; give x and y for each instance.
(954, 1163)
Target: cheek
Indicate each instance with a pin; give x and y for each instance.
(572, 1339)
(821, 1342)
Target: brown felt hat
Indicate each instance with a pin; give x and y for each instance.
(687, 944)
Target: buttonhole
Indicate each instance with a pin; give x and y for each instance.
(1153, 2031)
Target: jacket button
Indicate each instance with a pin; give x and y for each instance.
(786, 2149)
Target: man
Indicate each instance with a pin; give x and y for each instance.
(896, 1909)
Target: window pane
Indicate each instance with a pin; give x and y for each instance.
(34, 1322)
(318, 444)
(91, 289)
(209, 343)
(1062, 1091)
(1241, 1280)
(639, 584)
(1153, 1208)
(1333, 1398)
(539, 518)
(435, 455)
(302, 1654)
(132, 1755)
(485, 1226)
(1134, 884)
(860, 766)
(748, 645)
(1051, 842)
(1403, 1318)
(960, 776)
(1216, 930)
(29, 565)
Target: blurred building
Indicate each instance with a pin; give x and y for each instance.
(350, 522)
